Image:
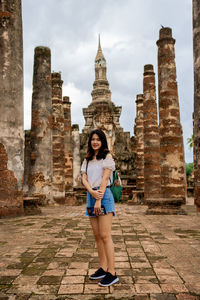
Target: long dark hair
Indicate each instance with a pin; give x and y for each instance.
(104, 145)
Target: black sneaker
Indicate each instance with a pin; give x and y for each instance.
(109, 279)
(100, 273)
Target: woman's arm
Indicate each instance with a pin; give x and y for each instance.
(98, 195)
(104, 181)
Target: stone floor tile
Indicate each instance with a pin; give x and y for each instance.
(95, 289)
(186, 297)
(124, 272)
(173, 288)
(78, 265)
(122, 265)
(76, 271)
(73, 279)
(141, 297)
(54, 273)
(48, 280)
(163, 297)
(169, 279)
(23, 280)
(121, 258)
(138, 265)
(144, 288)
(164, 271)
(126, 280)
(120, 253)
(122, 289)
(33, 288)
(70, 289)
(194, 287)
(6, 279)
(145, 279)
(10, 272)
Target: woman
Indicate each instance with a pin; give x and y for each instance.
(96, 177)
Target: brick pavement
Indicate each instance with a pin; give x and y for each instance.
(50, 256)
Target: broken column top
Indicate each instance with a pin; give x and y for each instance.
(56, 75)
(75, 127)
(165, 32)
(139, 97)
(148, 69)
(66, 99)
(42, 50)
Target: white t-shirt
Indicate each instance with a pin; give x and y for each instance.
(95, 170)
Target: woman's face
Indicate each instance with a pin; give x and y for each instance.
(96, 142)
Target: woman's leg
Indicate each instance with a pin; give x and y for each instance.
(99, 243)
(104, 226)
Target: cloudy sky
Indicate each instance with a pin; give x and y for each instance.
(129, 30)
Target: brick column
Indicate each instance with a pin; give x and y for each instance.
(40, 179)
(139, 134)
(152, 181)
(68, 145)
(171, 140)
(76, 156)
(196, 49)
(11, 109)
(58, 139)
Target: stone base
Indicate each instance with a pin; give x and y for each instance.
(162, 206)
(138, 197)
(11, 211)
(71, 199)
(31, 206)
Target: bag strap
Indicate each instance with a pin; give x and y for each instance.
(87, 162)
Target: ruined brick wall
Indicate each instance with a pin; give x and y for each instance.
(76, 156)
(40, 177)
(196, 50)
(11, 109)
(139, 135)
(173, 179)
(58, 139)
(27, 162)
(68, 144)
(152, 180)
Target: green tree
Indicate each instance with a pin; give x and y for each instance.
(190, 141)
(189, 169)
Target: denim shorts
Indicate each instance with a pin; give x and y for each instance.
(108, 202)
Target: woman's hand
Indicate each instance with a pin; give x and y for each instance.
(97, 194)
(97, 206)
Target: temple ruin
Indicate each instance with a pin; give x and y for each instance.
(102, 113)
(151, 162)
(196, 139)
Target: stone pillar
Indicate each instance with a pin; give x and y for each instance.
(139, 133)
(40, 179)
(68, 145)
(11, 109)
(196, 49)
(171, 139)
(58, 139)
(27, 162)
(152, 181)
(76, 156)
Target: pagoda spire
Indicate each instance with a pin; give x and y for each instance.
(99, 57)
(101, 91)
